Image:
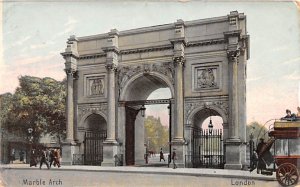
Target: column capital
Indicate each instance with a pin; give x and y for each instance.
(111, 67)
(70, 71)
(179, 61)
(233, 55)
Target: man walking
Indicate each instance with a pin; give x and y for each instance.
(44, 159)
(174, 158)
(161, 155)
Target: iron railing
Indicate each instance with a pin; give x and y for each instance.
(78, 159)
(207, 149)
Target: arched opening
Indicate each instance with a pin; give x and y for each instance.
(95, 122)
(207, 146)
(94, 135)
(138, 91)
(157, 135)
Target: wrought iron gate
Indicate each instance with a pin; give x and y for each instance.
(93, 147)
(208, 150)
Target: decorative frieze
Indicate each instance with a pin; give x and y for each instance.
(91, 108)
(206, 42)
(126, 72)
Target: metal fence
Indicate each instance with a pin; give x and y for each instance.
(207, 149)
(78, 159)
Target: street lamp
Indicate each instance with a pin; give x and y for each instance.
(30, 137)
(30, 140)
(142, 109)
(210, 125)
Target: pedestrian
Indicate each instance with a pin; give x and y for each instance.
(21, 154)
(56, 154)
(12, 156)
(51, 158)
(161, 155)
(174, 158)
(44, 159)
(33, 158)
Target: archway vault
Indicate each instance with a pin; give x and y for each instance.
(141, 85)
(200, 113)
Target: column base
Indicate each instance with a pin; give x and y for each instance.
(233, 154)
(110, 149)
(68, 149)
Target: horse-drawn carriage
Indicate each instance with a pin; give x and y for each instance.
(281, 153)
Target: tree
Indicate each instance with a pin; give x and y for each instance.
(38, 103)
(258, 131)
(156, 135)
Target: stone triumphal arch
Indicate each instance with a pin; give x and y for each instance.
(110, 75)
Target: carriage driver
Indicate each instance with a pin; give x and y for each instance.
(261, 165)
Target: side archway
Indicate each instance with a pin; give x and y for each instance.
(92, 134)
(206, 147)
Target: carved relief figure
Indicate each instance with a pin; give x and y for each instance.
(206, 78)
(97, 87)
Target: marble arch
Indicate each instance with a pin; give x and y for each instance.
(203, 62)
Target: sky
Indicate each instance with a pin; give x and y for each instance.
(35, 33)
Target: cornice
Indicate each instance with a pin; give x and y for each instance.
(147, 49)
(111, 49)
(69, 54)
(234, 33)
(92, 56)
(156, 48)
(206, 42)
(179, 40)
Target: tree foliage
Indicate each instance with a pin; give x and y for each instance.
(38, 103)
(257, 130)
(156, 135)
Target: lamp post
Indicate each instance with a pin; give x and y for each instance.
(142, 109)
(170, 132)
(210, 125)
(30, 137)
(30, 140)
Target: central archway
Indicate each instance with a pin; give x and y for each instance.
(138, 88)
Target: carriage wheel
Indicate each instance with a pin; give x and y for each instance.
(287, 174)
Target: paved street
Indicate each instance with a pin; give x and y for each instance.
(55, 177)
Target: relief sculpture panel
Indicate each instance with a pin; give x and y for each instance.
(206, 78)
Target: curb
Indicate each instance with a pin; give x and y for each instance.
(182, 173)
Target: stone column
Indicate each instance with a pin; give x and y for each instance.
(70, 55)
(110, 145)
(70, 105)
(111, 100)
(233, 143)
(179, 104)
(179, 44)
(233, 97)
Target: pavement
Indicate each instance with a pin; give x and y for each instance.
(224, 173)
